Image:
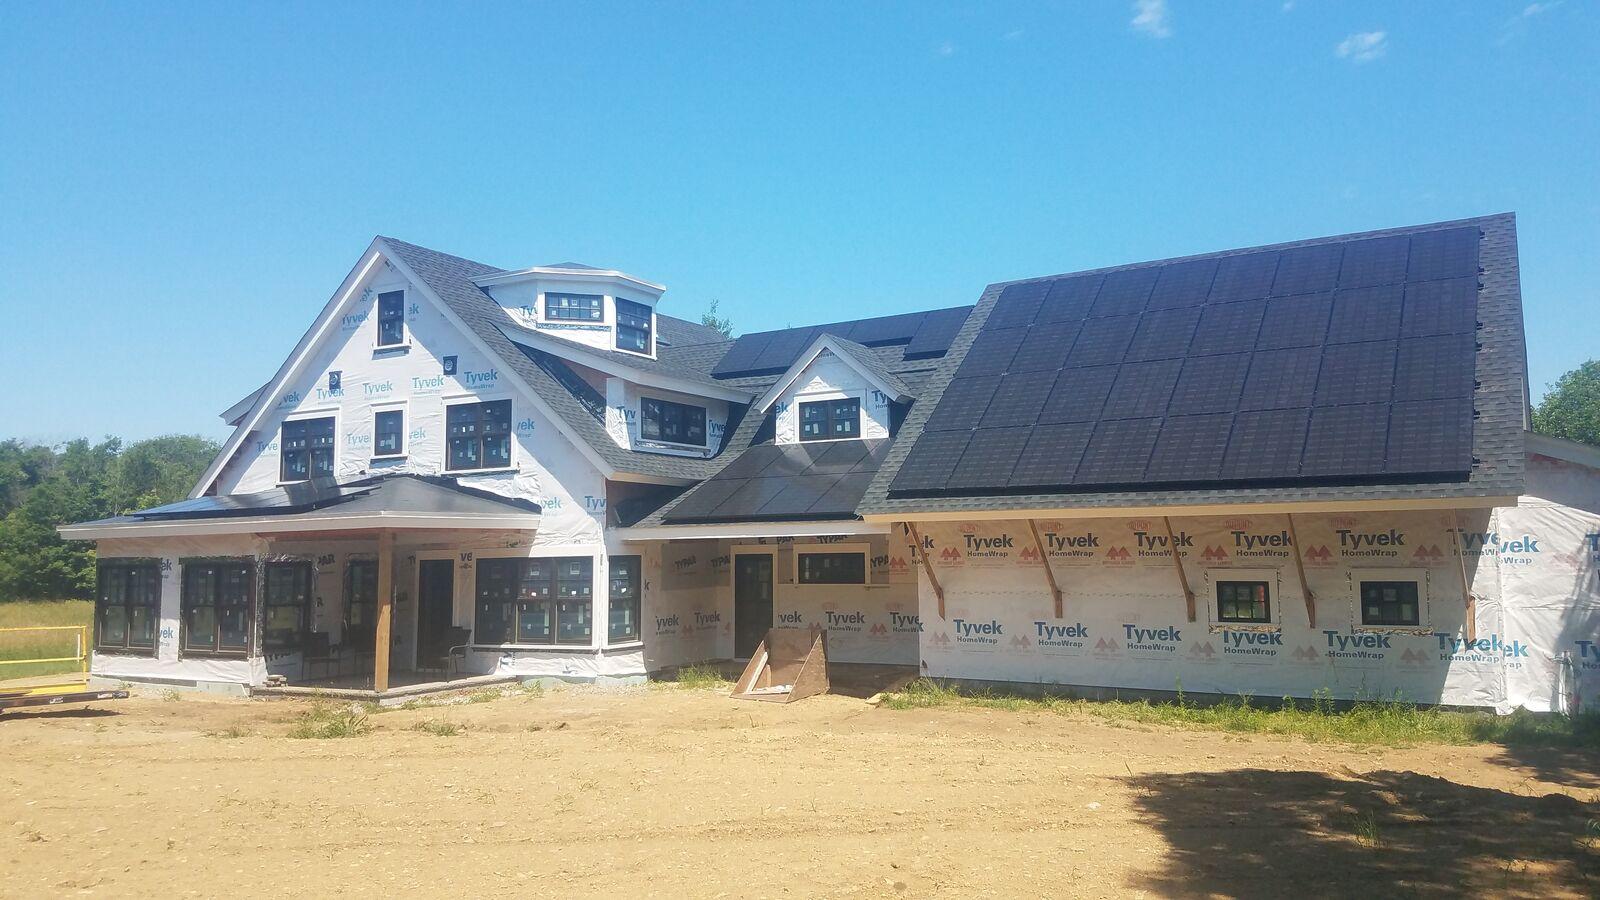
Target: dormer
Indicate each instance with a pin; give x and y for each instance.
(603, 308)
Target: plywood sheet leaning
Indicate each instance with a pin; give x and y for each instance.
(789, 664)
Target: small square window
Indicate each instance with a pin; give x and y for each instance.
(826, 420)
(1244, 601)
(1390, 603)
(389, 427)
(391, 318)
(573, 307)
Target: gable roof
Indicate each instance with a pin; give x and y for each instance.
(1023, 402)
(857, 357)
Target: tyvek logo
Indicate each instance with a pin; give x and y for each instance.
(980, 634)
(1365, 544)
(997, 547)
(426, 384)
(1427, 553)
(1489, 647)
(1588, 654)
(707, 620)
(1214, 554)
(1164, 639)
(485, 378)
(1061, 637)
(1364, 647)
(789, 618)
(1070, 547)
(1252, 544)
(1119, 555)
(850, 621)
(1148, 544)
(666, 624)
(903, 623)
(1251, 643)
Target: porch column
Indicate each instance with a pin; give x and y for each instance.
(380, 643)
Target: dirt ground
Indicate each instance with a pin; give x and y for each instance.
(661, 791)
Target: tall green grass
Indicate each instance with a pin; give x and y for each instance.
(1390, 723)
(41, 644)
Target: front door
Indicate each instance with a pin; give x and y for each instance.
(435, 608)
(752, 601)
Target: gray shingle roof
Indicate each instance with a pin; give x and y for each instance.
(873, 363)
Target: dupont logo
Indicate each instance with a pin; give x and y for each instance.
(1119, 555)
(1214, 554)
(1368, 544)
(1061, 637)
(1428, 553)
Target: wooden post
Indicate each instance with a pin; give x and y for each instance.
(1300, 567)
(1183, 580)
(1470, 626)
(380, 642)
(1044, 559)
(927, 567)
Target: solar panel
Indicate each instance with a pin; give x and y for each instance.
(1435, 368)
(1045, 347)
(704, 498)
(963, 403)
(1078, 395)
(989, 458)
(1018, 304)
(1125, 292)
(786, 347)
(784, 481)
(842, 499)
(752, 495)
(1279, 379)
(1366, 314)
(1298, 321)
(1265, 444)
(752, 462)
(1307, 270)
(1346, 440)
(1210, 384)
(931, 461)
(991, 353)
(1051, 455)
(1432, 436)
(1018, 399)
(937, 330)
(744, 351)
(1164, 334)
(1451, 253)
(1118, 452)
(1142, 389)
(799, 494)
(1228, 327)
(1374, 261)
(1102, 341)
(1449, 306)
(1070, 298)
(1244, 277)
(1190, 448)
(839, 457)
(887, 329)
(1356, 373)
(1183, 284)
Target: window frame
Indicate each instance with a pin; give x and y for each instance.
(404, 338)
(632, 600)
(830, 550)
(1238, 581)
(306, 603)
(192, 567)
(830, 404)
(347, 602)
(283, 445)
(510, 435)
(385, 409)
(663, 407)
(550, 312)
(648, 329)
(130, 570)
(1418, 599)
(530, 587)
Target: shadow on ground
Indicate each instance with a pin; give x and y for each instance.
(1572, 767)
(1258, 833)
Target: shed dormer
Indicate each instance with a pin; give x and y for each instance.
(603, 308)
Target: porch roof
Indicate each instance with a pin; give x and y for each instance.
(390, 501)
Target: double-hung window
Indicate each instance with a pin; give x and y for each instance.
(674, 423)
(389, 432)
(825, 420)
(217, 606)
(574, 307)
(391, 319)
(287, 594)
(539, 600)
(1243, 601)
(479, 435)
(1390, 603)
(360, 604)
(127, 605)
(305, 449)
(633, 326)
(832, 568)
(623, 598)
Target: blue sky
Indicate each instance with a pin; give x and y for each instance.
(182, 187)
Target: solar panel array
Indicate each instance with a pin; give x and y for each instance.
(1341, 361)
(924, 335)
(822, 480)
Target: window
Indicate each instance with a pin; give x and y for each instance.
(541, 600)
(305, 449)
(389, 428)
(633, 326)
(624, 598)
(1390, 603)
(391, 318)
(1243, 601)
(216, 607)
(360, 604)
(479, 435)
(573, 307)
(127, 605)
(830, 419)
(287, 591)
(677, 423)
(833, 568)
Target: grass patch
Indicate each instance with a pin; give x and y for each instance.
(700, 677)
(41, 644)
(1389, 723)
(323, 721)
(439, 728)
(232, 731)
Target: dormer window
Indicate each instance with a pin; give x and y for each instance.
(830, 420)
(672, 423)
(574, 307)
(392, 319)
(633, 326)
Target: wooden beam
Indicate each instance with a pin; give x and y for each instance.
(380, 642)
(1044, 560)
(1300, 569)
(927, 567)
(1183, 579)
(1470, 626)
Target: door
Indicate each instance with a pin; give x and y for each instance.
(752, 601)
(436, 579)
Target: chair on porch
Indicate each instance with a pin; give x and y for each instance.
(458, 639)
(319, 649)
